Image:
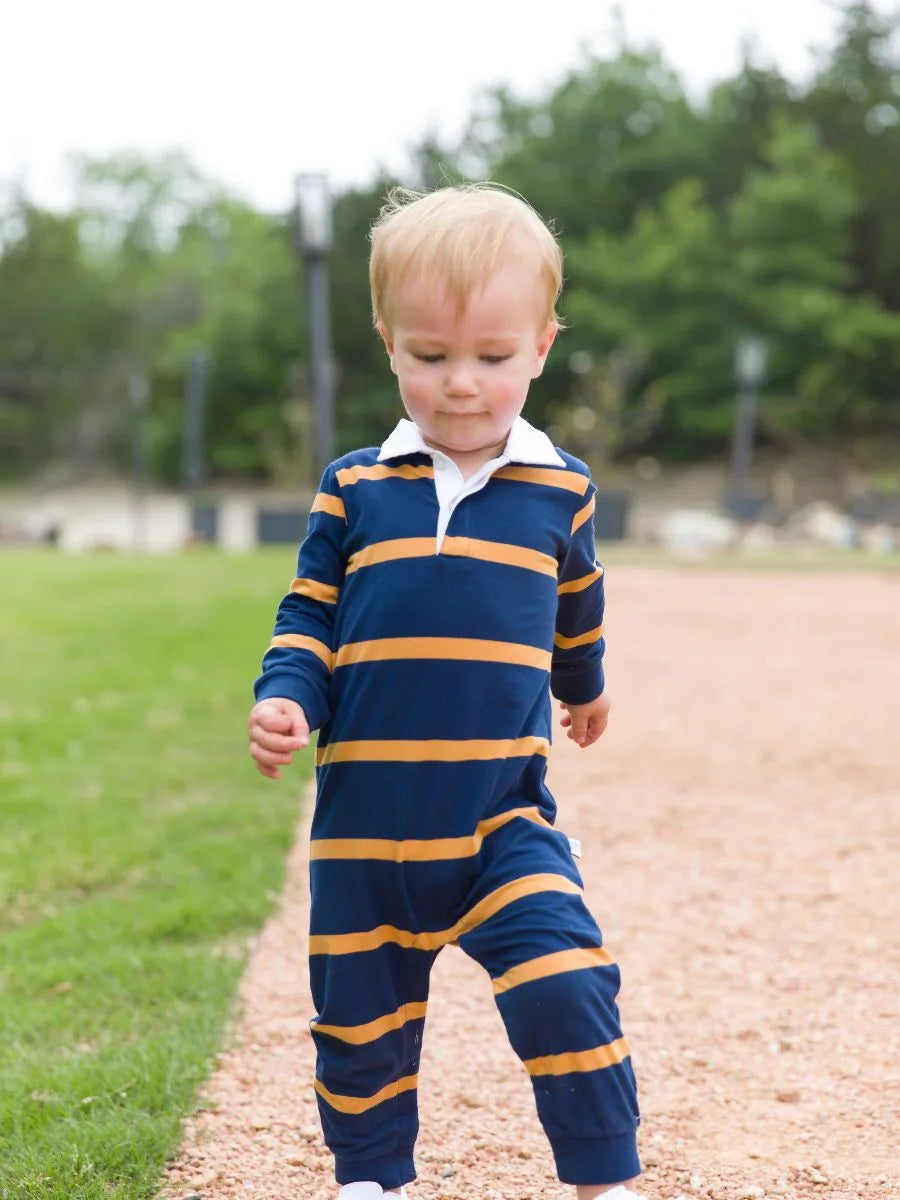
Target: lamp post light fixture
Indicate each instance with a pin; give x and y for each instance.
(751, 355)
(314, 241)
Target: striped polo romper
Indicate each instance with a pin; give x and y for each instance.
(427, 676)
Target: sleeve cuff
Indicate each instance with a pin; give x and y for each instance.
(290, 687)
(579, 687)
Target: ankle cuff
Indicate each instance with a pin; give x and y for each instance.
(582, 1161)
(389, 1171)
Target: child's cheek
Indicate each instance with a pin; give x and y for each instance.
(512, 391)
(417, 395)
(417, 389)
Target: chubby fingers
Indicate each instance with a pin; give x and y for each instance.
(274, 737)
(275, 728)
(585, 723)
(594, 728)
(576, 725)
(579, 725)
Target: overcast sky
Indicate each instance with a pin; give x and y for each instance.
(259, 91)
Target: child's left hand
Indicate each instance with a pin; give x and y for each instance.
(586, 722)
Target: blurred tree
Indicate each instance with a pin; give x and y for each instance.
(193, 267)
(836, 357)
(677, 291)
(738, 124)
(854, 102)
(664, 296)
(611, 137)
(368, 404)
(57, 324)
(766, 206)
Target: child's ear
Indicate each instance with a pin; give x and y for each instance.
(385, 334)
(545, 341)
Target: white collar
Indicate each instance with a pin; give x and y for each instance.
(525, 444)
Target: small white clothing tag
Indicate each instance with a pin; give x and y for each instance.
(575, 847)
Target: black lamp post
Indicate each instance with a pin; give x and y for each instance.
(314, 241)
(192, 464)
(139, 397)
(750, 360)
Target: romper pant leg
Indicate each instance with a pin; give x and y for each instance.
(556, 987)
(370, 1005)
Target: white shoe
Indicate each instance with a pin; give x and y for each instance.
(367, 1191)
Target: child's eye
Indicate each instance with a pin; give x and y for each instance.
(429, 358)
(495, 358)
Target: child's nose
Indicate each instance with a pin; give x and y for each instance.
(460, 381)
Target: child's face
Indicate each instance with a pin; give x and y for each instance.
(464, 375)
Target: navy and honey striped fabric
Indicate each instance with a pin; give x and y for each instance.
(513, 599)
(428, 676)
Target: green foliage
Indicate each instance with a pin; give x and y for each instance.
(57, 321)
(685, 279)
(792, 227)
(140, 852)
(766, 206)
(741, 113)
(368, 404)
(194, 268)
(700, 226)
(854, 102)
(609, 132)
(666, 294)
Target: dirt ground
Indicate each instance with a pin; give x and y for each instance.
(741, 831)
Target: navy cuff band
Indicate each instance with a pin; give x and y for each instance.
(583, 1161)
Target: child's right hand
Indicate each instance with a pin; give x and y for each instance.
(276, 728)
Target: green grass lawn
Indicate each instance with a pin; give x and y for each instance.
(140, 849)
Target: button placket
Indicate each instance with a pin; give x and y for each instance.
(450, 502)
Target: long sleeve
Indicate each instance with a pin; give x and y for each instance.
(298, 663)
(576, 675)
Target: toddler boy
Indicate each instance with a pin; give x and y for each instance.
(447, 578)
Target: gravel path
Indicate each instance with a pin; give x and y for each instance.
(741, 829)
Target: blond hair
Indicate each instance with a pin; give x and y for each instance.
(459, 234)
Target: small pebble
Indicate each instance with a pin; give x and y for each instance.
(207, 1179)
